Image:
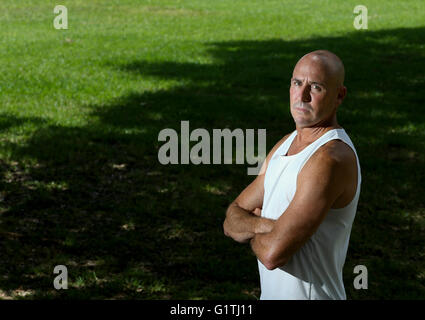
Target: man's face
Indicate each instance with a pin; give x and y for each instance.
(313, 93)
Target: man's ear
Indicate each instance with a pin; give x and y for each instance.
(342, 93)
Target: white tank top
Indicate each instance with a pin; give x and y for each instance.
(315, 270)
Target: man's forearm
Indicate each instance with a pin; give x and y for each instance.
(260, 248)
(242, 225)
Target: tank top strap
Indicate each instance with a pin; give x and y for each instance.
(334, 134)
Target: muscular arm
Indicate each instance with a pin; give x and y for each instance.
(321, 183)
(243, 220)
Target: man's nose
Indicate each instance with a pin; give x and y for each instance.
(306, 93)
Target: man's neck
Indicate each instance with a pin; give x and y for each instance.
(306, 135)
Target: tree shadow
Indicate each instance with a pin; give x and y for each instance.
(97, 200)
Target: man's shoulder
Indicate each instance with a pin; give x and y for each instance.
(336, 155)
(336, 150)
(332, 169)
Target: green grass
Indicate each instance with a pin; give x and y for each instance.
(81, 110)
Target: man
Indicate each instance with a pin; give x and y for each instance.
(298, 212)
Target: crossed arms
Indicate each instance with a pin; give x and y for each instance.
(326, 181)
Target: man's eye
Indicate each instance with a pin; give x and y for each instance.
(316, 87)
(296, 82)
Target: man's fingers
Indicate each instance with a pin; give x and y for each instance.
(257, 212)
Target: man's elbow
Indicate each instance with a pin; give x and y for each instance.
(273, 260)
(226, 224)
(225, 229)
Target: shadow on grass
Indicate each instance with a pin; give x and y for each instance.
(97, 200)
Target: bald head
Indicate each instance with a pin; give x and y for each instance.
(317, 88)
(328, 62)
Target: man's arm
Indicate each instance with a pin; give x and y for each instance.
(324, 179)
(243, 220)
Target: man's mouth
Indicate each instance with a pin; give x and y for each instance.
(302, 107)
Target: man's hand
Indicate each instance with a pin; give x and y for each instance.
(242, 225)
(266, 225)
(257, 212)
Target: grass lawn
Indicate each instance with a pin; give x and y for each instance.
(81, 110)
